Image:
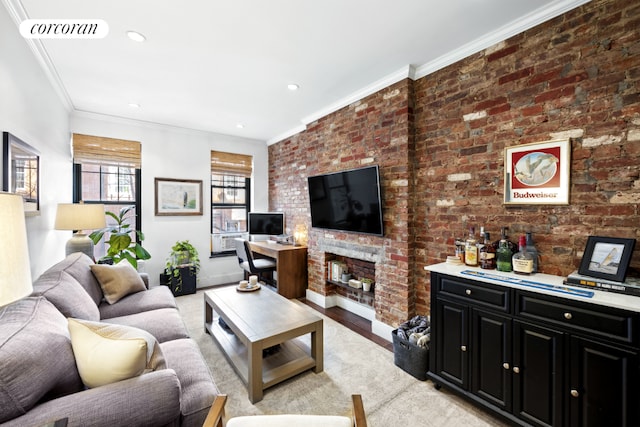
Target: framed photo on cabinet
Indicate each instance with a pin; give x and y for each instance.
(607, 258)
(537, 174)
(178, 197)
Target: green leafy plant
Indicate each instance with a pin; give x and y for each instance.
(183, 254)
(121, 246)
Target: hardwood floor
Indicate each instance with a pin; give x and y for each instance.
(352, 321)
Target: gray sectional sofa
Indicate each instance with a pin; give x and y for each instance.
(44, 371)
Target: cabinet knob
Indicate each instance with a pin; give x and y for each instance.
(568, 316)
(574, 393)
(505, 365)
(468, 292)
(516, 370)
(463, 348)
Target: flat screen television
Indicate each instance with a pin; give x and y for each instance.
(347, 201)
(266, 223)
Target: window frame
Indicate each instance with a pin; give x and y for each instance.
(214, 205)
(77, 194)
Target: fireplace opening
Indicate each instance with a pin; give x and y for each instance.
(342, 269)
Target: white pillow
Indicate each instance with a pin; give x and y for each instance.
(117, 281)
(107, 353)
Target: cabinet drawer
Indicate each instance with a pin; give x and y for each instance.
(476, 292)
(591, 320)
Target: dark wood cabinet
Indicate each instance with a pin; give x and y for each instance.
(535, 359)
(538, 355)
(491, 358)
(603, 385)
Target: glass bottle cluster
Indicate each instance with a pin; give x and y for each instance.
(502, 254)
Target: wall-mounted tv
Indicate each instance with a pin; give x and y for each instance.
(347, 201)
(266, 223)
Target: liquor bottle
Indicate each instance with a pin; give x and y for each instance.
(531, 248)
(488, 253)
(504, 232)
(503, 255)
(522, 261)
(480, 243)
(471, 249)
(459, 244)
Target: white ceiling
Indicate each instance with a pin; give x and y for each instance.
(211, 64)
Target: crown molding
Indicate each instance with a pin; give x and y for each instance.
(534, 18)
(125, 121)
(287, 134)
(18, 14)
(527, 22)
(407, 71)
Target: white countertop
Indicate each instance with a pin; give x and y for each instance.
(540, 283)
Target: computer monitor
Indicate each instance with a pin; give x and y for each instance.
(266, 223)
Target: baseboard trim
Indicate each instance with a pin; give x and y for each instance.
(378, 328)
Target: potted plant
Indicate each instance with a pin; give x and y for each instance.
(120, 245)
(181, 269)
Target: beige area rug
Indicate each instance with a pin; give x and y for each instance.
(352, 365)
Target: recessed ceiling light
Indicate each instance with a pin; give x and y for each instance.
(240, 126)
(136, 36)
(293, 86)
(134, 105)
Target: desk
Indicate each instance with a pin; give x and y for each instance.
(291, 264)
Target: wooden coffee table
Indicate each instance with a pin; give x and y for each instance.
(260, 320)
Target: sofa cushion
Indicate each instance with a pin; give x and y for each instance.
(117, 281)
(152, 299)
(164, 323)
(69, 297)
(36, 358)
(78, 265)
(107, 353)
(198, 388)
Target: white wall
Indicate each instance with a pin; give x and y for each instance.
(31, 110)
(169, 152)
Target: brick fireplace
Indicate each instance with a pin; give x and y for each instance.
(376, 130)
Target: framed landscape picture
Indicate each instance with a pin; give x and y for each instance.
(607, 258)
(178, 197)
(537, 174)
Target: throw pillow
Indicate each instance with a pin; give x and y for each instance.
(107, 353)
(117, 281)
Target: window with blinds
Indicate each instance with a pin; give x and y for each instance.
(107, 171)
(230, 199)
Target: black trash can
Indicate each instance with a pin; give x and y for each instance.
(410, 357)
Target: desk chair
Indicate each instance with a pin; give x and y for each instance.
(216, 417)
(250, 265)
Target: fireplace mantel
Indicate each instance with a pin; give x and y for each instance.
(352, 250)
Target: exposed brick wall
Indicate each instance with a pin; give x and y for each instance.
(439, 142)
(375, 130)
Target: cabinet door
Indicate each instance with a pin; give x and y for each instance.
(452, 342)
(491, 358)
(538, 367)
(603, 385)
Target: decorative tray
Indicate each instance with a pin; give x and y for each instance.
(248, 289)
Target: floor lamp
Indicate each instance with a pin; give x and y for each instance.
(15, 271)
(79, 217)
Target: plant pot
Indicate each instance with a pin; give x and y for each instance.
(182, 284)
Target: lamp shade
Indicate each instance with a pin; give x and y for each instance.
(79, 216)
(15, 271)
